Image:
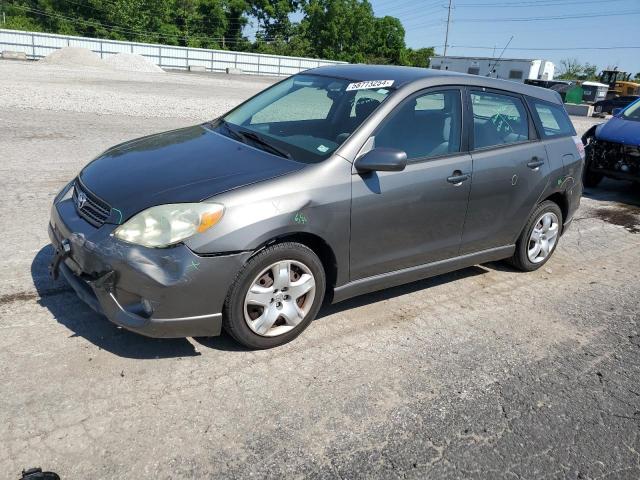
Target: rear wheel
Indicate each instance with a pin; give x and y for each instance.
(539, 238)
(275, 296)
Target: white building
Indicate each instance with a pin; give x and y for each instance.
(516, 69)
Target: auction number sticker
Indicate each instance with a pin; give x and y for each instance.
(369, 84)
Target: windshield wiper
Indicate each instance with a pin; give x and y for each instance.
(269, 146)
(255, 138)
(231, 130)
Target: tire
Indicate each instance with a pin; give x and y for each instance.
(259, 294)
(521, 258)
(591, 179)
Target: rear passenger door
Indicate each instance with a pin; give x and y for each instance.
(510, 168)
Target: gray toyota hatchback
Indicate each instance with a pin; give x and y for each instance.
(330, 184)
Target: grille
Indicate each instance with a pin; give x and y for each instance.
(90, 207)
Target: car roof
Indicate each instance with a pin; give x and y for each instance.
(402, 76)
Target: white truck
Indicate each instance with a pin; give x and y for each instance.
(516, 69)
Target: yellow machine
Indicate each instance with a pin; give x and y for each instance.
(620, 83)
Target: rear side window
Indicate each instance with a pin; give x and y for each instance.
(554, 120)
(498, 120)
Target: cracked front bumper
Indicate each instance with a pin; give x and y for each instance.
(167, 292)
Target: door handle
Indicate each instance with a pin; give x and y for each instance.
(535, 163)
(458, 177)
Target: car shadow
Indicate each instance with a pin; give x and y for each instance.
(68, 310)
(77, 317)
(400, 290)
(610, 190)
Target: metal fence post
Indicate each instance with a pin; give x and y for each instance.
(33, 46)
(159, 56)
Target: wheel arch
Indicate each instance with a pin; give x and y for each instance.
(560, 199)
(319, 246)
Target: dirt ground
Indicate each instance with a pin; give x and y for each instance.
(482, 373)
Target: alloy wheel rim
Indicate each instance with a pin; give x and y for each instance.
(279, 298)
(543, 237)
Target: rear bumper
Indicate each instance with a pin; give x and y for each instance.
(170, 292)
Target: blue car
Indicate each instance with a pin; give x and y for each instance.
(613, 148)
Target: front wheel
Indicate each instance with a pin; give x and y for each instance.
(539, 238)
(275, 296)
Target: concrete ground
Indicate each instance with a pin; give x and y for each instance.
(482, 373)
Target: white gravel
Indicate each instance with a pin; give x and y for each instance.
(42, 86)
(132, 63)
(74, 56)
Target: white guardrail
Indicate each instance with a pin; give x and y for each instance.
(37, 45)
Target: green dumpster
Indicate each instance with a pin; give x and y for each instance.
(574, 95)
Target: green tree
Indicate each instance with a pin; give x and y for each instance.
(570, 69)
(344, 30)
(273, 17)
(418, 58)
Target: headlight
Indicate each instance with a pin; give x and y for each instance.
(165, 225)
(65, 193)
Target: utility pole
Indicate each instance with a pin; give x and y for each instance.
(446, 37)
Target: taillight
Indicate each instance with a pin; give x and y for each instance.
(580, 147)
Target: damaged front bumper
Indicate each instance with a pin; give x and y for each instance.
(167, 292)
(615, 160)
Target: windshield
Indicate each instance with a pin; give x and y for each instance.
(305, 117)
(632, 112)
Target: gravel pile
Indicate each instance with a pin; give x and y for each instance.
(74, 56)
(82, 57)
(131, 62)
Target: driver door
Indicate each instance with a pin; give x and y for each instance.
(415, 216)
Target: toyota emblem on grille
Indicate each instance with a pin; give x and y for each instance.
(81, 200)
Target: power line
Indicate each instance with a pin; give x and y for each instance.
(556, 17)
(121, 29)
(553, 49)
(531, 3)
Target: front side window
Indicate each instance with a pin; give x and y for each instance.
(498, 120)
(425, 126)
(305, 117)
(554, 120)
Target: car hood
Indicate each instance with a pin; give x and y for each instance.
(186, 165)
(619, 130)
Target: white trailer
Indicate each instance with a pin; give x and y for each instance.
(516, 69)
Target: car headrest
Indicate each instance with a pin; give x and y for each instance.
(366, 106)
